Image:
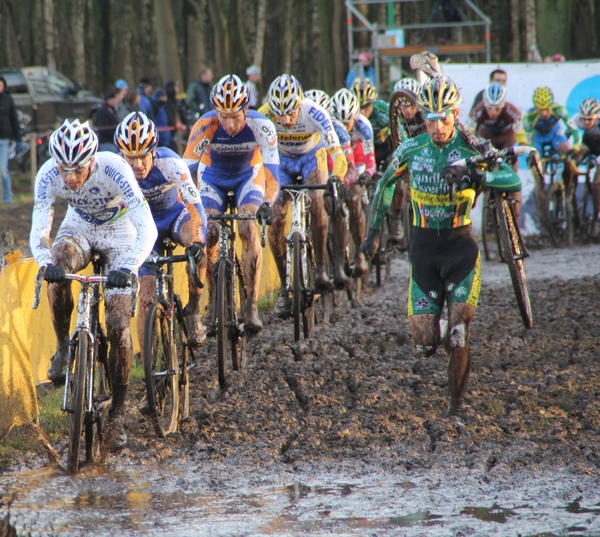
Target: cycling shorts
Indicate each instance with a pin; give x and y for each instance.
(445, 267)
(111, 240)
(293, 166)
(249, 187)
(555, 137)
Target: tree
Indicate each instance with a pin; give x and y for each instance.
(167, 41)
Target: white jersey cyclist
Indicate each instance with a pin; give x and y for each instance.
(108, 214)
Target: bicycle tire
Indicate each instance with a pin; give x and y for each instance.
(182, 353)
(76, 402)
(308, 295)
(297, 284)
(407, 216)
(489, 237)
(222, 322)
(556, 213)
(585, 210)
(511, 253)
(239, 345)
(94, 419)
(161, 372)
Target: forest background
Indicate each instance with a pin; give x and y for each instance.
(95, 42)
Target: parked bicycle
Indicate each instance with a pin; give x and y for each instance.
(166, 353)
(510, 241)
(87, 393)
(228, 285)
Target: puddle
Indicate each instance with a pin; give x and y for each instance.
(183, 502)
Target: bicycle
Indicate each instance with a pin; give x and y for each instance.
(510, 241)
(585, 214)
(229, 283)
(87, 393)
(166, 351)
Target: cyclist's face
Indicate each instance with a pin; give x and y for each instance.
(288, 121)
(350, 125)
(588, 122)
(75, 177)
(367, 110)
(408, 110)
(141, 166)
(493, 113)
(544, 112)
(232, 123)
(441, 131)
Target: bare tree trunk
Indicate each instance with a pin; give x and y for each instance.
(78, 23)
(531, 31)
(337, 35)
(515, 50)
(195, 48)
(49, 33)
(261, 25)
(167, 41)
(288, 36)
(326, 46)
(219, 22)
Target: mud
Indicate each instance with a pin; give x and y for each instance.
(344, 433)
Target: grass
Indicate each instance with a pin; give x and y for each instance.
(267, 301)
(22, 186)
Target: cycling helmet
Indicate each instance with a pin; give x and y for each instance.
(229, 95)
(73, 143)
(319, 96)
(589, 108)
(136, 135)
(365, 90)
(438, 97)
(285, 95)
(405, 84)
(543, 98)
(344, 105)
(494, 95)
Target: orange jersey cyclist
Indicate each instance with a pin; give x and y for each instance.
(237, 151)
(305, 136)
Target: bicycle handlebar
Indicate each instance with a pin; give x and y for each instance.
(304, 187)
(161, 260)
(229, 217)
(495, 157)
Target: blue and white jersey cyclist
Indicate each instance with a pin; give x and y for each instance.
(107, 214)
(176, 208)
(236, 150)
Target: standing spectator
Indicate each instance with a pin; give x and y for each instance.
(497, 75)
(145, 90)
(9, 130)
(106, 122)
(132, 101)
(176, 110)
(158, 102)
(362, 69)
(253, 73)
(198, 93)
(122, 88)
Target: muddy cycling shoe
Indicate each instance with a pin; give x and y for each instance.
(207, 322)
(283, 306)
(322, 281)
(57, 371)
(115, 436)
(455, 410)
(361, 267)
(196, 331)
(252, 321)
(340, 280)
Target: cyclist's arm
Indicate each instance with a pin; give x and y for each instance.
(517, 123)
(200, 136)
(365, 129)
(571, 126)
(528, 123)
(266, 136)
(504, 179)
(43, 213)
(191, 199)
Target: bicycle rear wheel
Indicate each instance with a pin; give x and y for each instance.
(76, 401)
(512, 253)
(222, 322)
(161, 372)
(556, 213)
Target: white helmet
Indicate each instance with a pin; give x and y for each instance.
(494, 95)
(319, 96)
(407, 83)
(344, 105)
(285, 94)
(73, 143)
(589, 108)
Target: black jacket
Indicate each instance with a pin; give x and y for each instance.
(9, 122)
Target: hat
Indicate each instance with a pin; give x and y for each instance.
(121, 84)
(159, 93)
(364, 56)
(253, 70)
(111, 94)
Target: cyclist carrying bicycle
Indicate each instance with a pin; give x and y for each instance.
(587, 119)
(236, 150)
(176, 208)
(107, 214)
(305, 136)
(445, 264)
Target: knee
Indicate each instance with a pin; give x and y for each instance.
(457, 336)
(118, 316)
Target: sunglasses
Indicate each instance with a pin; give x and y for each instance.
(73, 169)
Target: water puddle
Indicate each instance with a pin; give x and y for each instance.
(184, 501)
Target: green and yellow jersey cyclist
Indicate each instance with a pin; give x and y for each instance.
(444, 257)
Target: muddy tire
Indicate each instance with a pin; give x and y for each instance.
(76, 401)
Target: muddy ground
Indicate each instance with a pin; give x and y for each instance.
(358, 395)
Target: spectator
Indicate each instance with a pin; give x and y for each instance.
(9, 130)
(362, 69)
(497, 75)
(106, 122)
(158, 101)
(145, 90)
(176, 111)
(122, 88)
(253, 73)
(198, 93)
(132, 101)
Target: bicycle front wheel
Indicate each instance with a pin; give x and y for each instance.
(297, 285)
(95, 418)
(182, 353)
(161, 372)
(239, 337)
(76, 401)
(512, 254)
(222, 322)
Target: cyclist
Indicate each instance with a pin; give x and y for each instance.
(176, 208)
(444, 257)
(107, 214)
(346, 109)
(305, 134)
(237, 151)
(587, 119)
